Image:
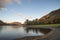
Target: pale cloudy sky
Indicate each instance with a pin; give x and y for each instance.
(20, 10)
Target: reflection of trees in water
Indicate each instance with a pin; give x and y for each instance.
(37, 30)
(45, 30)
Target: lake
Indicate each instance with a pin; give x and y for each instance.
(13, 32)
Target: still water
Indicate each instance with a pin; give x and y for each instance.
(13, 32)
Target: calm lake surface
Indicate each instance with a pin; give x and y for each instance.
(13, 32)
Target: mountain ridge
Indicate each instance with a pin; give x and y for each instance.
(52, 18)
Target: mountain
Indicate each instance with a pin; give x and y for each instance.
(16, 23)
(2, 23)
(52, 17)
(13, 23)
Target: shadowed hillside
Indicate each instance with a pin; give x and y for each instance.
(52, 18)
(2, 23)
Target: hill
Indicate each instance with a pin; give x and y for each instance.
(13, 23)
(16, 23)
(52, 18)
(2, 23)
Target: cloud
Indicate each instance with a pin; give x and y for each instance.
(4, 9)
(1, 4)
(4, 2)
(9, 1)
(28, 17)
(18, 1)
(12, 1)
(20, 14)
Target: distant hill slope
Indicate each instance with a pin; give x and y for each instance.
(2, 23)
(16, 23)
(52, 17)
(13, 23)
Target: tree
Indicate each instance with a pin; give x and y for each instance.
(26, 22)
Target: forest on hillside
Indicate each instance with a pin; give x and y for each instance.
(52, 18)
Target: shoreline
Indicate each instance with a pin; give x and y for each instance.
(39, 37)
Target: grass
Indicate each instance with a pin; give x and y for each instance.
(49, 25)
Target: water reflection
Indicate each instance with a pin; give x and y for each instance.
(15, 26)
(38, 30)
(0, 28)
(45, 30)
(35, 30)
(13, 32)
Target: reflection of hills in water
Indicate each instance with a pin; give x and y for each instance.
(16, 26)
(12, 32)
(0, 28)
(37, 30)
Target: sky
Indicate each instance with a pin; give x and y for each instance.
(20, 10)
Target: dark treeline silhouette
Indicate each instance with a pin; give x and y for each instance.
(51, 18)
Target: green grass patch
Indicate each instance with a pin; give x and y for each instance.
(49, 25)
